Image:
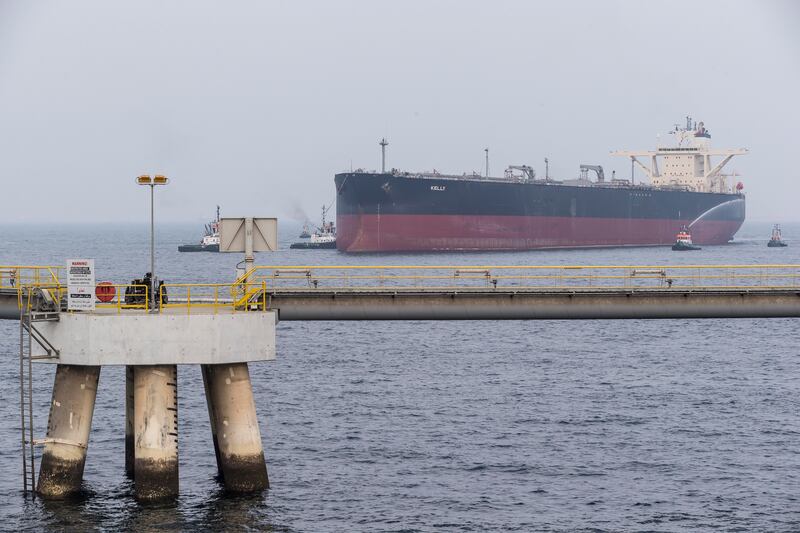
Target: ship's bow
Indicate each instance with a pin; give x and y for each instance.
(719, 224)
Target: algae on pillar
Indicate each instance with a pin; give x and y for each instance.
(234, 427)
(71, 410)
(155, 389)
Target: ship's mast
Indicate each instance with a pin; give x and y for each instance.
(383, 144)
(325, 212)
(546, 169)
(487, 161)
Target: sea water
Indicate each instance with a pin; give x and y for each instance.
(613, 425)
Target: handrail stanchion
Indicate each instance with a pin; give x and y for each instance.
(264, 295)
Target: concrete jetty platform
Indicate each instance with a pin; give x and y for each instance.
(152, 346)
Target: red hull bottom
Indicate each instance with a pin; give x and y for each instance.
(405, 233)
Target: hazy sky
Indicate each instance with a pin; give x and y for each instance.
(255, 105)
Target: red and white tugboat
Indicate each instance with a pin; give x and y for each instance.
(683, 241)
(776, 241)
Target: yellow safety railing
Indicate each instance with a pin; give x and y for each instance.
(214, 297)
(25, 294)
(13, 276)
(23, 278)
(126, 297)
(253, 291)
(528, 277)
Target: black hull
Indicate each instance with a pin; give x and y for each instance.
(389, 194)
(313, 246)
(684, 247)
(198, 248)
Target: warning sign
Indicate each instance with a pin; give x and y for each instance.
(80, 284)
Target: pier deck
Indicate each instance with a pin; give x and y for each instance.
(463, 292)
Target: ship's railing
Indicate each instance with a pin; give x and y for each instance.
(505, 277)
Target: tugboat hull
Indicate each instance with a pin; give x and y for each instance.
(777, 244)
(198, 248)
(313, 245)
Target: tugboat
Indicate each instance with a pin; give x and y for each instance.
(210, 241)
(324, 238)
(305, 234)
(776, 241)
(683, 241)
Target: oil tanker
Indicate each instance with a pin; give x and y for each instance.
(395, 211)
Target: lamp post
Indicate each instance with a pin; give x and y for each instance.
(152, 182)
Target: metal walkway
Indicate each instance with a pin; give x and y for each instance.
(497, 292)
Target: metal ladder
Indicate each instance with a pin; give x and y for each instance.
(38, 306)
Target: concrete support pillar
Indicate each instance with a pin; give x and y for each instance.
(155, 407)
(129, 454)
(232, 410)
(71, 410)
(204, 369)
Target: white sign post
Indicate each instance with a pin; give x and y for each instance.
(80, 284)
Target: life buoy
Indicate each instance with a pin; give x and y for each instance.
(105, 291)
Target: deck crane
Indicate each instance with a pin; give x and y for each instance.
(597, 170)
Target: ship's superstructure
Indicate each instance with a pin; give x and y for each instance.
(688, 165)
(423, 211)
